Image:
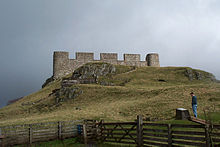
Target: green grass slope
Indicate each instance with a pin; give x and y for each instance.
(154, 92)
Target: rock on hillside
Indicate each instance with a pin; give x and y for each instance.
(67, 93)
(89, 73)
(93, 70)
(199, 75)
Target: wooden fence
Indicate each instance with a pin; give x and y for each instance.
(138, 133)
(27, 134)
(154, 134)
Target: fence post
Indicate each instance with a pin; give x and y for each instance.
(30, 134)
(59, 130)
(85, 133)
(207, 137)
(101, 130)
(139, 131)
(1, 138)
(169, 127)
(97, 129)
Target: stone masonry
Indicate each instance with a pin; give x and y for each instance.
(62, 65)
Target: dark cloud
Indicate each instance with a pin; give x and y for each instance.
(184, 33)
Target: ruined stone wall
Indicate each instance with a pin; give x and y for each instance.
(109, 57)
(84, 57)
(62, 65)
(132, 57)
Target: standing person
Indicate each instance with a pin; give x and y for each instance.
(194, 104)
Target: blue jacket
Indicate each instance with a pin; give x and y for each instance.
(194, 100)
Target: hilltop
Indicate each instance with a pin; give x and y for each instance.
(116, 93)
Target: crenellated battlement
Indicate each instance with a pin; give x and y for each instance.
(62, 65)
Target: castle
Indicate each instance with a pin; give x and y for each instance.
(62, 65)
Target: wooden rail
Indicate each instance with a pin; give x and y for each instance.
(197, 120)
(30, 133)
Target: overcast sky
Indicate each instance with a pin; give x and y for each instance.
(183, 32)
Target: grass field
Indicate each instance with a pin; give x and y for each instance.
(154, 92)
(72, 142)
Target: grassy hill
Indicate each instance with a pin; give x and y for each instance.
(154, 92)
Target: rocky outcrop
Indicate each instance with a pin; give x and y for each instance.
(68, 83)
(67, 93)
(199, 75)
(89, 73)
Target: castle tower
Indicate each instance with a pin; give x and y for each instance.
(60, 64)
(153, 60)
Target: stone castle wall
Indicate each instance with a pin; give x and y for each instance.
(62, 65)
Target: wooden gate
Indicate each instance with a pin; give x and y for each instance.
(119, 132)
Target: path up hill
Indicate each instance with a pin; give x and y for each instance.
(116, 93)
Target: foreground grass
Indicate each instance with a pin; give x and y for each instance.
(136, 92)
(73, 142)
